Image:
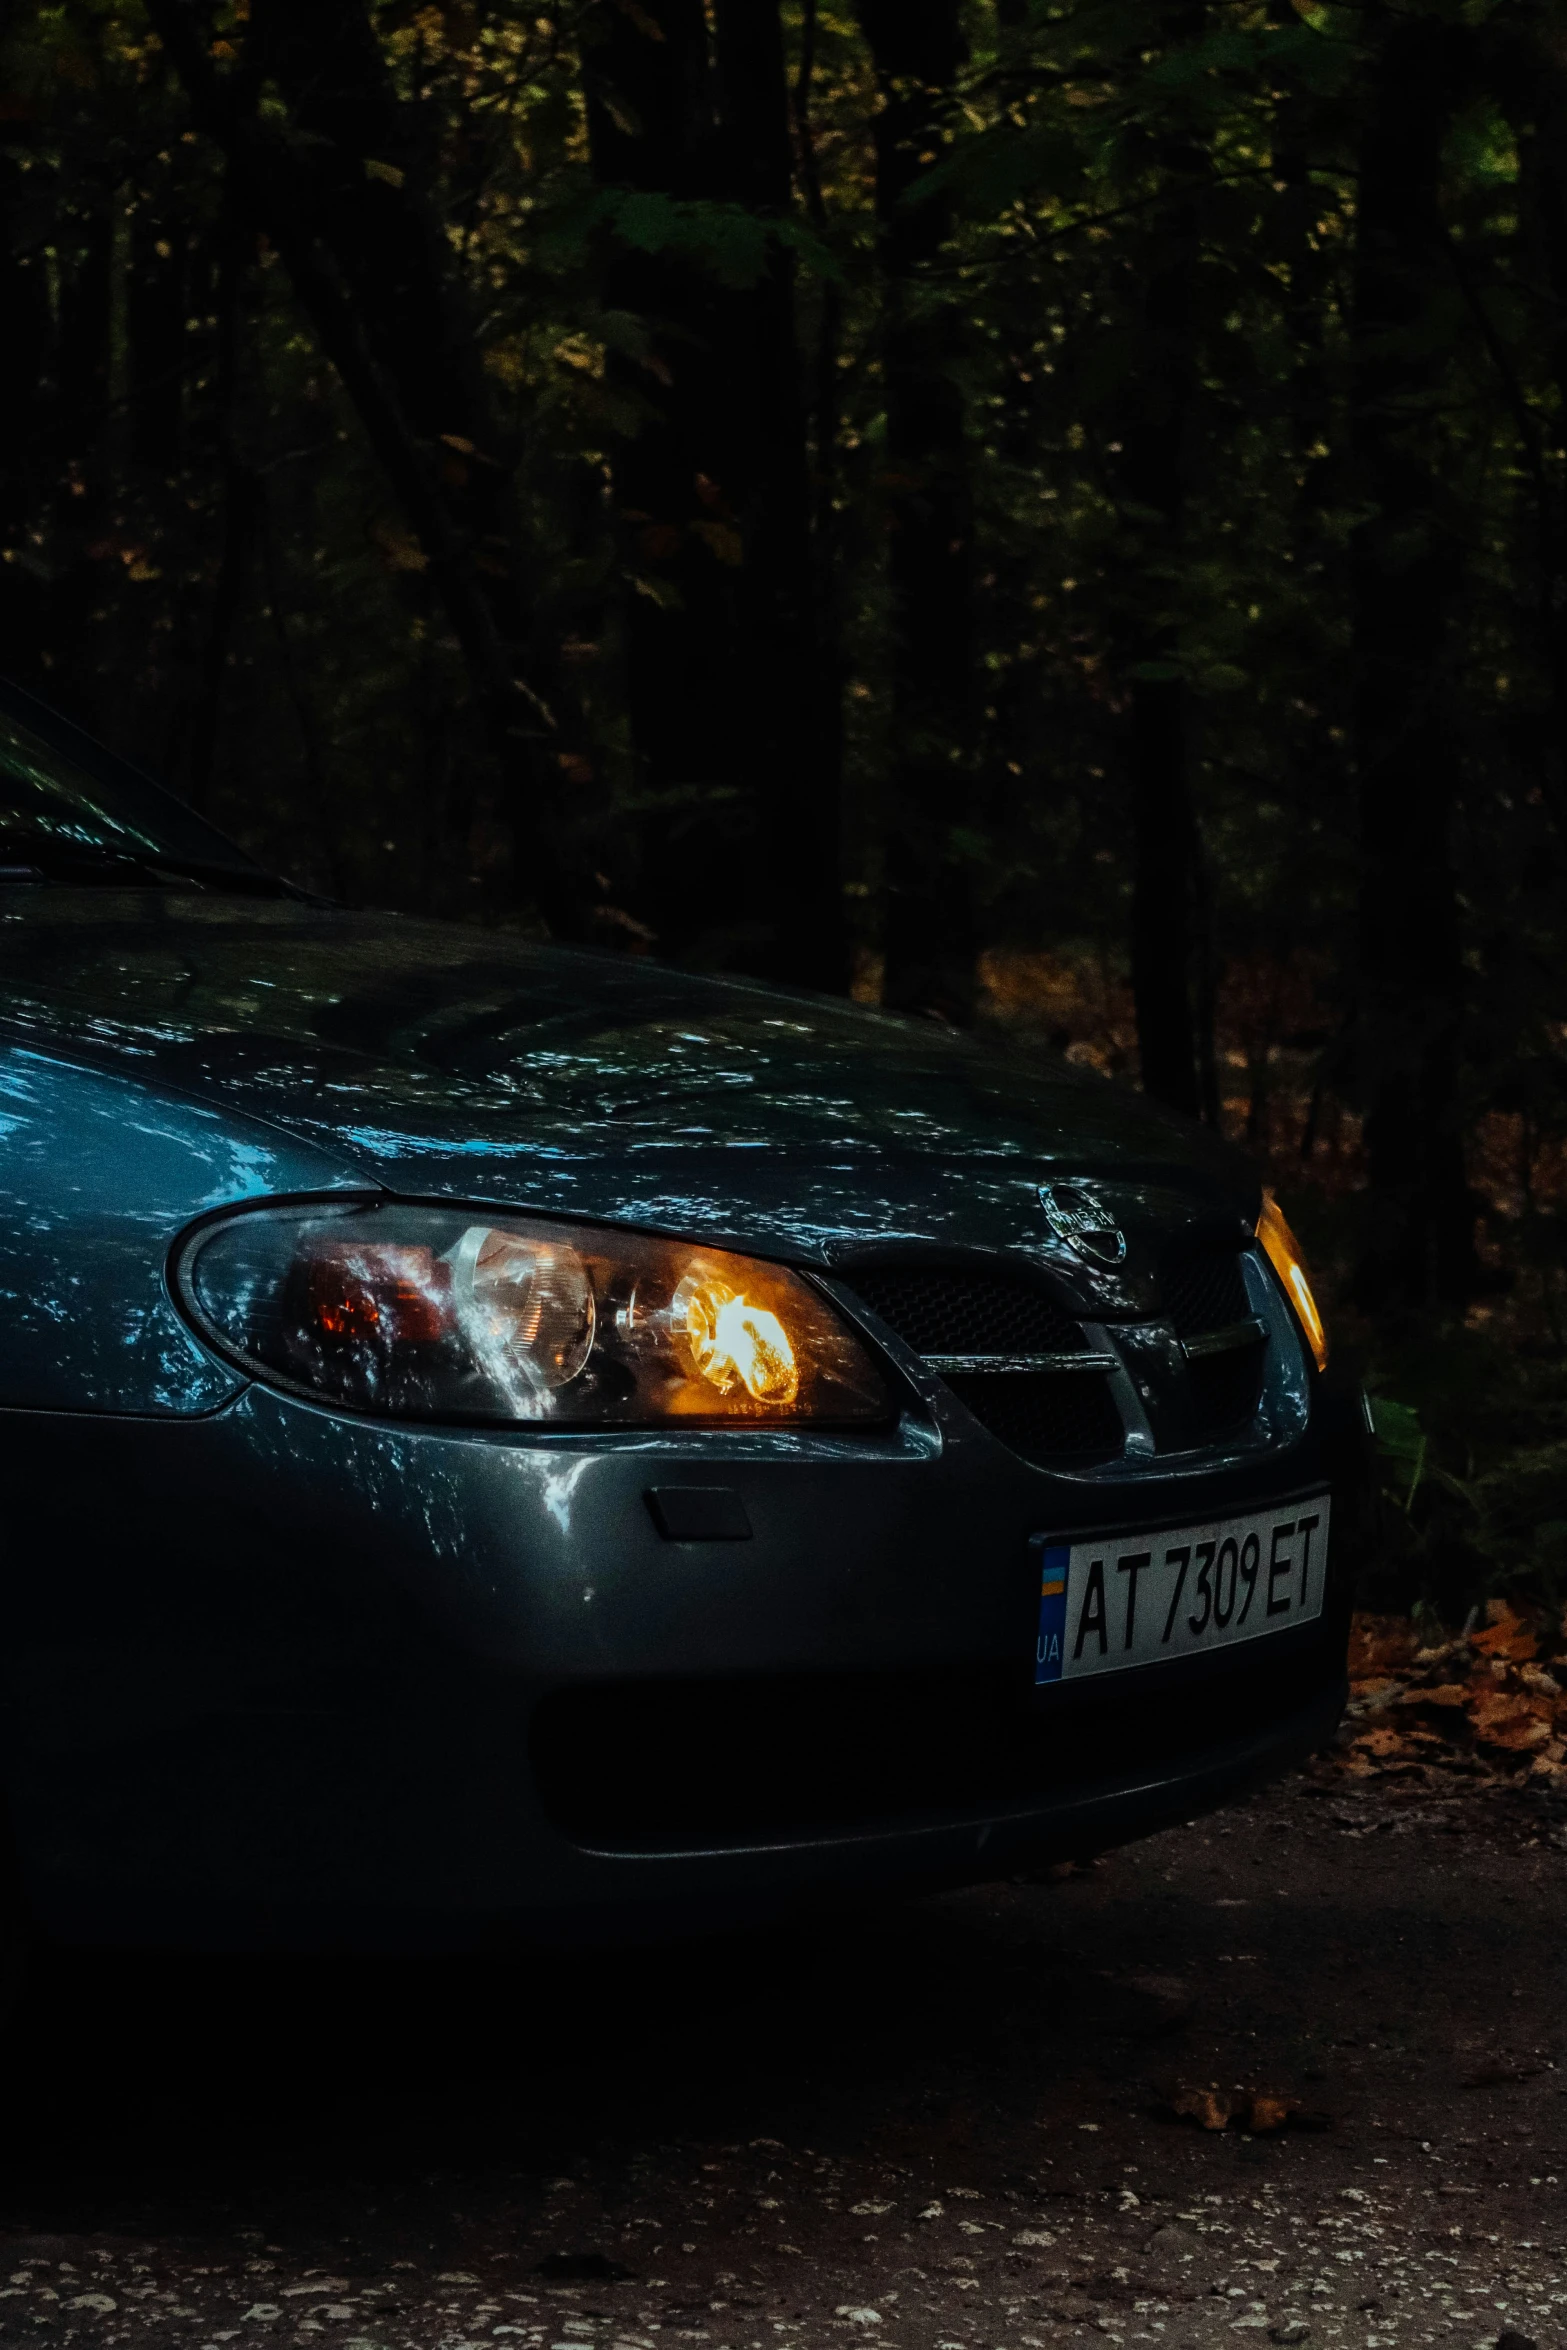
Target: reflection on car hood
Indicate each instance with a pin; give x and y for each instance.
(455, 1062)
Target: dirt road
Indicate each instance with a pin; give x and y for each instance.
(948, 2125)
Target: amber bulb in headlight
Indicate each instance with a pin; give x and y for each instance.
(734, 1341)
(1284, 1254)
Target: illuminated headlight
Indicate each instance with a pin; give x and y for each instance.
(1283, 1252)
(452, 1314)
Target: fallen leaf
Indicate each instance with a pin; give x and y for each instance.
(1503, 1718)
(1380, 1742)
(1209, 2108)
(1506, 1635)
(1378, 1643)
(1268, 2113)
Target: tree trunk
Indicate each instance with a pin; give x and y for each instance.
(157, 305)
(1171, 950)
(241, 510)
(931, 935)
(826, 537)
(1404, 571)
(1527, 64)
(78, 482)
(368, 264)
(789, 659)
(25, 432)
(729, 677)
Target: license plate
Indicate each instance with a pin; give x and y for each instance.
(1109, 1601)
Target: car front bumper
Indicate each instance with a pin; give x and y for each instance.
(279, 1678)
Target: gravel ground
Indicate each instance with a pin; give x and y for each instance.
(956, 2123)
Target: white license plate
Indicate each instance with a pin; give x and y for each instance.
(1108, 1601)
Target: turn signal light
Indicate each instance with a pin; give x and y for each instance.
(1283, 1251)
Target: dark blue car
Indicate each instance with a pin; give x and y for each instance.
(502, 1442)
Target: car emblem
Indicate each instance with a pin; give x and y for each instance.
(1081, 1224)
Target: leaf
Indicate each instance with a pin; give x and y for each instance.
(1400, 1439)
(721, 540)
(400, 550)
(1506, 1636)
(392, 173)
(1209, 2108)
(1267, 2112)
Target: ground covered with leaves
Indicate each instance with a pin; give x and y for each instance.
(1290, 2073)
(1489, 1703)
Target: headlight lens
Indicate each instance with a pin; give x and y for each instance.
(1284, 1255)
(449, 1314)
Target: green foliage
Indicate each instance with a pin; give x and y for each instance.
(731, 244)
(1474, 1479)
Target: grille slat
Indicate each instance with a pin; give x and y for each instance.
(943, 1313)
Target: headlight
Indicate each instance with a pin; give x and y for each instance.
(451, 1314)
(1284, 1255)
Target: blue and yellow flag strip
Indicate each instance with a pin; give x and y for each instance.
(1054, 1559)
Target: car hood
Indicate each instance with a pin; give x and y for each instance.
(449, 1062)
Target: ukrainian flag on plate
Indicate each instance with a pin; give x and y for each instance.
(1054, 1560)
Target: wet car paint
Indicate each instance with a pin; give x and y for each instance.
(271, 1669)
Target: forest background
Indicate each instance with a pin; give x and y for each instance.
(1048, 514)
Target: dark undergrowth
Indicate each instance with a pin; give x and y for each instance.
(1471, 1452)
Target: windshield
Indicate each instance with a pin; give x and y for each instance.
(70, 809)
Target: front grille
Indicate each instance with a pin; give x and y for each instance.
(1204, 1291)
(662, 1764)
(943, 1313)
(1069, 1419)
(1049, 1417)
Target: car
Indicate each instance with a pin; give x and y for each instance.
(506, 1444)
